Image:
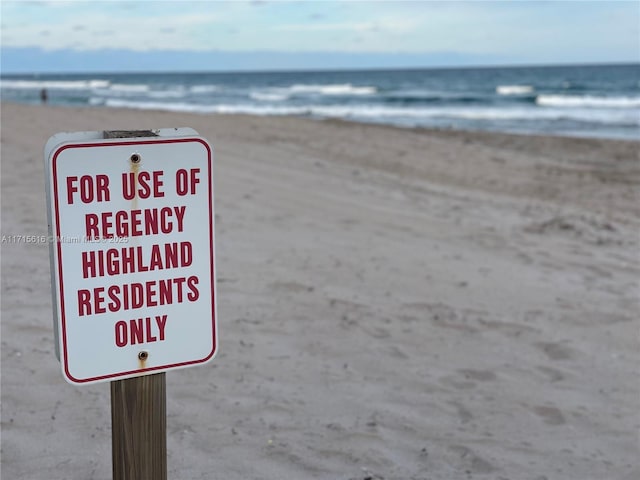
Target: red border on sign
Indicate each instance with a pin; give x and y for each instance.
(59, 249)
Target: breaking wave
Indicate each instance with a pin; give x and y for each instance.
(381, 112)
(332, 89)
(587, 101)
(513, 89)
(54, 84)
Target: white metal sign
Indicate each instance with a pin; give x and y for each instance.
(132, 253)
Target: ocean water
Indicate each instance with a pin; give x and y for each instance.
(591, 101)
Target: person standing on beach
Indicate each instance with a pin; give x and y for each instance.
(43, 95)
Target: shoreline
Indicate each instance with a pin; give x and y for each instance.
(421, 129)
(571, 101)
(393, 303)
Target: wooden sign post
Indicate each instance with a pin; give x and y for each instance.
(132, 273)
(138, 412)
(139, 428)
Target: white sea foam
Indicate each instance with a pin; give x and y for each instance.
(200, 108)
(333, 89)
(585, 115)
(203, 88)
(139, 90)
(169, 93)
(99, 83)
(513, 89)
(54, 84)
(388, 113)
(129, 87)
(587, 101)
(269, 96)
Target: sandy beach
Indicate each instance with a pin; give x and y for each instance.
(393, 304)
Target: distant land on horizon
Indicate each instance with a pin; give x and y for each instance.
(34, 61)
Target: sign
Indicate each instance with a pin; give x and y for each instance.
(132, 253)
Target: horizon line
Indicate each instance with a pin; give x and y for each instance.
(328, 70)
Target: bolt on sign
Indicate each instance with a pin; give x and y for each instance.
(132, 253)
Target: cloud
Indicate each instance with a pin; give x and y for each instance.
(396, 25)
(140, 34)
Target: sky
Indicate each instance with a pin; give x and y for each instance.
(153, 35)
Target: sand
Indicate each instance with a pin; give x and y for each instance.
(393, 303)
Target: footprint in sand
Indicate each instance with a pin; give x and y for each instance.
(555, 351)
(291, 287)
(553, 374)
(550, 415)
(463, 413)
(377, 332)
(470, 461)
(478, 375)
(471, 376)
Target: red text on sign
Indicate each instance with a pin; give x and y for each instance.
(90, 189)
(186, 181)
(135, 295)
(142, 184)
(134, 223)
(140, 330)
(116, 261)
